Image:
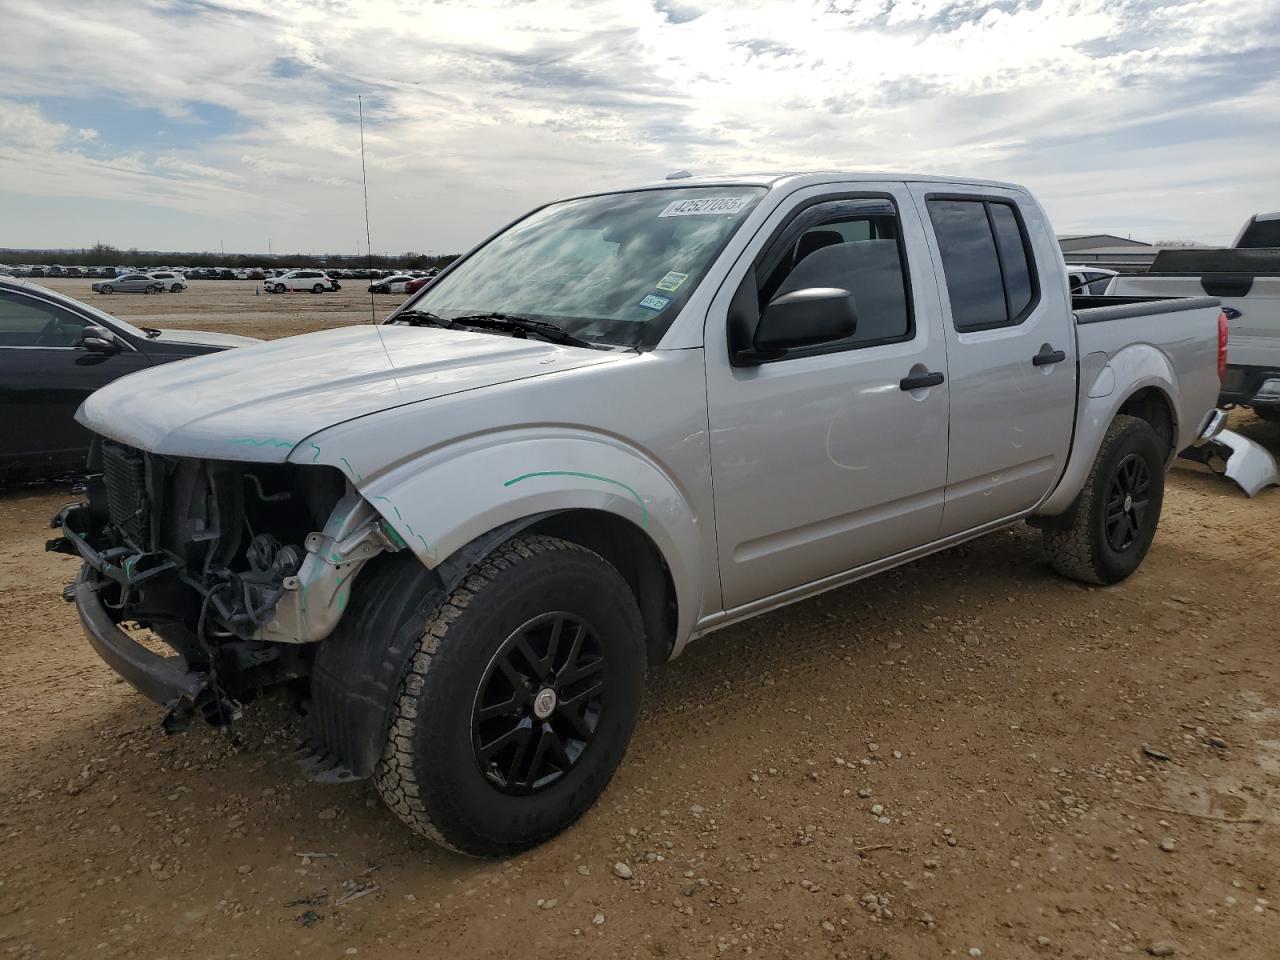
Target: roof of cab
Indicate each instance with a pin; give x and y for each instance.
(804, 178)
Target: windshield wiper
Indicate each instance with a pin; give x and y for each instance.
(422, 318)
(511, 322)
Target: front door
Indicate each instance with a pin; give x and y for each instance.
(835, 457)
(1010, 351)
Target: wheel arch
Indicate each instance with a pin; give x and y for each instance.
(593, 489)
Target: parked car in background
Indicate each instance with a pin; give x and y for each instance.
(474, 526)
(129, 283)
(54, 352)
(1088, 279)
(173, 282)
(392, 284)
(1246, 278)
(312, 280)
(416, 284)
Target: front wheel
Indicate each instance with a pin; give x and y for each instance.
(318, 288)
(106, 288)
(1107, 532)
(154, 289)
(278, 288)
(519, 701)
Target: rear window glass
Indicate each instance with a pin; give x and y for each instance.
(969, 263)
(1013, 256)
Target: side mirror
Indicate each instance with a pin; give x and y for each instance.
(98, 340)
(801, 318)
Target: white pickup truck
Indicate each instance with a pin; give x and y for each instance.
(621, 423)
(1247, 279)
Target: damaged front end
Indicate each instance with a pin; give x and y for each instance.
(238, 568)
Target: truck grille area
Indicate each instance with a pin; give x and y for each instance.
(125, 478)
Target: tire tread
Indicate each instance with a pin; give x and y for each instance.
(396, 778)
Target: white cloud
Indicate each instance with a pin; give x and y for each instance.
(477, 111)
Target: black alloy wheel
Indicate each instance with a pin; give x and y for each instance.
(539, 703)
(1127, 501)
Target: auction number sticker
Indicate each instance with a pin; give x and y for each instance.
(672, 281)
(704, 206)
(655, 302)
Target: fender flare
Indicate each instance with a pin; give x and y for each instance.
(1138, 367)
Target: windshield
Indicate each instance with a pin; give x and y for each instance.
(611, 269)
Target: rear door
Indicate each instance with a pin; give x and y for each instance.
(1010, 350)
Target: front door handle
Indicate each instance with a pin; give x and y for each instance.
(1047, 356)
(920, 381)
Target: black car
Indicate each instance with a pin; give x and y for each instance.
(54, 352)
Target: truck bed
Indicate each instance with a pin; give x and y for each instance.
(1151, 333)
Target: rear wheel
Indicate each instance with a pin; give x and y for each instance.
(1107, 532)
(519, 702)
(176, 288)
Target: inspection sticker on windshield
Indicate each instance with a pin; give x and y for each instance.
(655, 302)
(704, 205)
(671, 282)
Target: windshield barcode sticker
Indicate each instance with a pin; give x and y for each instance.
(704, 205)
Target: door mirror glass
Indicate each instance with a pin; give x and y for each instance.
(99, 340)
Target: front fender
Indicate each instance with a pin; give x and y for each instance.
(444, 499)
(1104, 389)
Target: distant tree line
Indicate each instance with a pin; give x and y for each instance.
(105, 255)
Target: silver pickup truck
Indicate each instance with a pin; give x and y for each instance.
(621, 423)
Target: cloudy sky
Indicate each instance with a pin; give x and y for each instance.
(186, 124)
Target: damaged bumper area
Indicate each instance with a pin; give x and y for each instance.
(204, 582)
(1238, 458)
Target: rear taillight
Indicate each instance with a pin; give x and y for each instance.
(1223, 331)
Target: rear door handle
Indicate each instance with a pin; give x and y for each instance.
(1045, 357)
(921, 381)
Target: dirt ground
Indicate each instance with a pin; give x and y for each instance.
(967, 756)
(238, 306)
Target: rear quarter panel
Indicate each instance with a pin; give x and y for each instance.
(1175, 352)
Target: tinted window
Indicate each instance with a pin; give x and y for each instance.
(26, 322)
(969, 263)
(1261, 233)
(850, 245)
(1013, 257)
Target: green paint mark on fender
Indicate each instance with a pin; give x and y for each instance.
(398, 538)
(355, 474)
(316, 448)
(267, 442)
(644, 511)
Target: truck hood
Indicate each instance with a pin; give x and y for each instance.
(258, 402)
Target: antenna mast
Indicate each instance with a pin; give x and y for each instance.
(368, 245)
